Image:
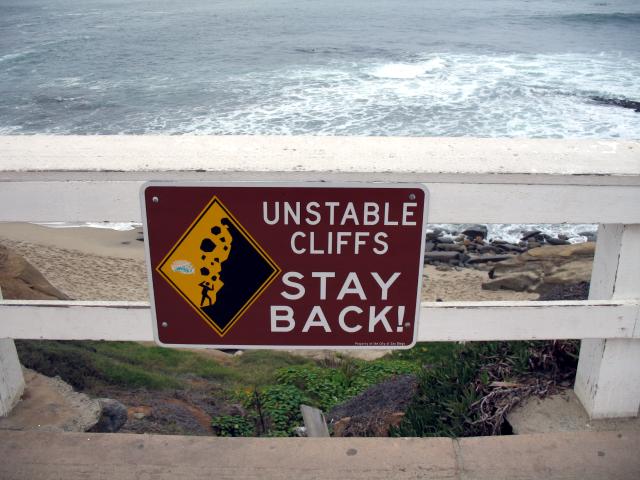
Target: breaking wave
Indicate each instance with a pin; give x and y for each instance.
(438, 95)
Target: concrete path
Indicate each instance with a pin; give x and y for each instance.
(562, 412)
(579, 455)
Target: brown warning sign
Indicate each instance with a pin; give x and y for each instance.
(283, 266)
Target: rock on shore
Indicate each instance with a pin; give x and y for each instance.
(374, 411)
(20, 280)
(52, 405)
(472, 248)
(536, 264)
(539, 269)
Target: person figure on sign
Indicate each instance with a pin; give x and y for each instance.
(206, 288)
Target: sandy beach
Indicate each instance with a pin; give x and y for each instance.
(101, 264)
(84, 263)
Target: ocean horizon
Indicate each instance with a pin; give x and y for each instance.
(496, 68)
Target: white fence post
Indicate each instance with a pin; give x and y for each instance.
(608, 377)
(11, 379)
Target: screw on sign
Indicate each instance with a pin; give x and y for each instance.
(267, 265)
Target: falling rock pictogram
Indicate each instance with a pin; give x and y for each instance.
(218, 268)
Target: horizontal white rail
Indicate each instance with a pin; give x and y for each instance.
(440, 321)
(47, 178)
(117, 201)
(579, 162)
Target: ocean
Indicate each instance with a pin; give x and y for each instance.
(487, 68)
(483, 68)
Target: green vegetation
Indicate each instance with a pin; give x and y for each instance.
(89, 365)
(327, 386)
(278, 409)
(463, 389)
(233, 426)
(467, 389)
(258, 368)
(275, 409)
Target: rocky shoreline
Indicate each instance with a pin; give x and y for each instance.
(471, 247)
(537, 263)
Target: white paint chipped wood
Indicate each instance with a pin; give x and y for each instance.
(439, 321)
(11, 378)
(314, 422)
(608, 376)
(96, 178)
(536, 157)
(117, 201)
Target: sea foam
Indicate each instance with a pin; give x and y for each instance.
(444, 94)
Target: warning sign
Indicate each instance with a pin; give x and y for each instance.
(283, 266)
(216, 241)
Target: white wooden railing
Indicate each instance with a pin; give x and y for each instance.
(45, 178)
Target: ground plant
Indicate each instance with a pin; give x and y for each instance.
(462, 389)
(275, 409)
(470, 389)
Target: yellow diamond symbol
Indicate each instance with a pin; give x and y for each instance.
(218, 268)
